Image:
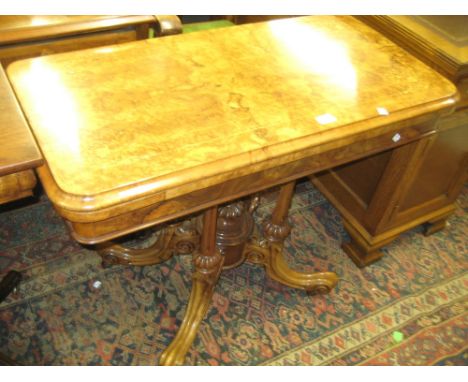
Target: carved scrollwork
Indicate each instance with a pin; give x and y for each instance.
(208, 266)
(185, 247)
(187, 238)
(231, 210)
(276, 232)
(254, 203)
(175, 239)
(272, 259)
(220, 238)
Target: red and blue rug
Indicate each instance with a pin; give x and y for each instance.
(410, 308)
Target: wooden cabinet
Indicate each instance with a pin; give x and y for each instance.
(386, 194)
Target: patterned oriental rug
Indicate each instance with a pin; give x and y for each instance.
(410, 308)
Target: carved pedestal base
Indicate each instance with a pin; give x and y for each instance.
(269, 252)
(223, 243)
(233, 228)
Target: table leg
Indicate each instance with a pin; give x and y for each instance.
(271, 254)
(207, 267)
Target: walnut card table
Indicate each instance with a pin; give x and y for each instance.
(147, 132)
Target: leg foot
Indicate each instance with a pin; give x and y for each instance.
(363, 250)
(270, 252)
(434, 226)
(360, 256)
(207, 267)
(276, 267)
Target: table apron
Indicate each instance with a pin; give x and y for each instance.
(94, 232)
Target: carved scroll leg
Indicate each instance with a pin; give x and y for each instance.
(279, 270)
(207, 267)
(272, 258)
(112, 253)
(181, 238)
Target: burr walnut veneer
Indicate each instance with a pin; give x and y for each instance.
(376, 201)
(144, 133)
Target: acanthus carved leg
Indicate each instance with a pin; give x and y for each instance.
(269, 252)
(180, 238)
(207, 263)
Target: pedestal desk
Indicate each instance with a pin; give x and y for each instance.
(376, 207)
(148, 132)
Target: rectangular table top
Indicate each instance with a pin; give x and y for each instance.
(122, 122)
(18, 151)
